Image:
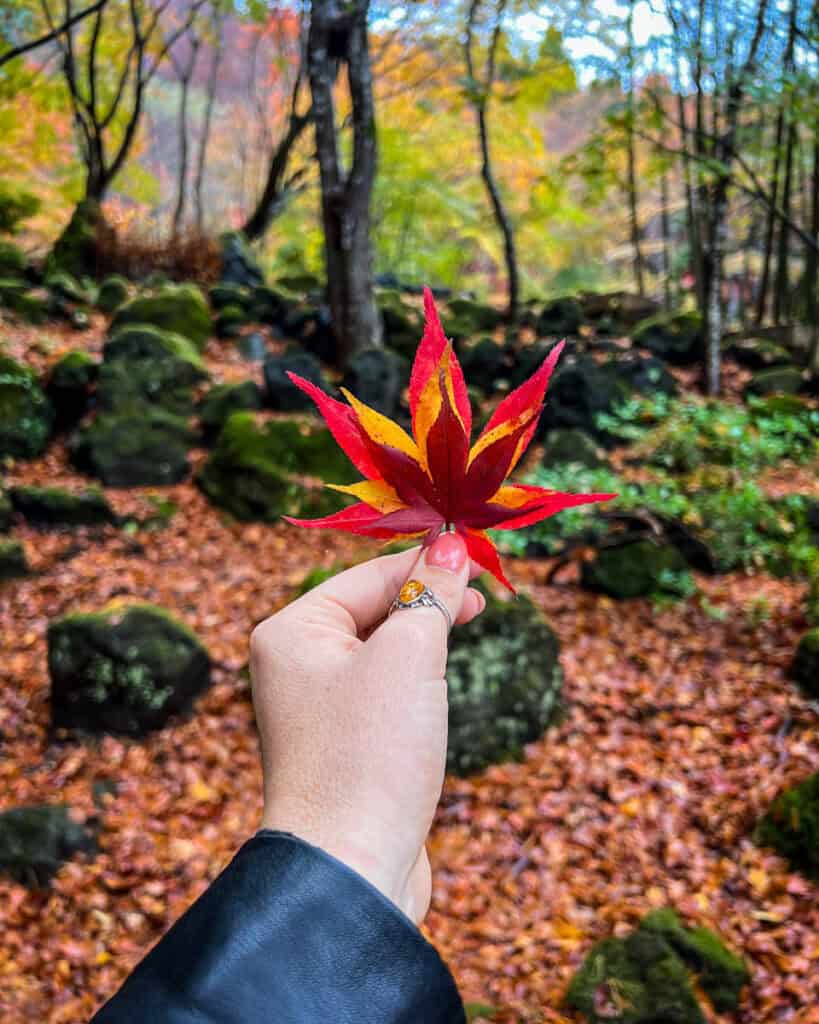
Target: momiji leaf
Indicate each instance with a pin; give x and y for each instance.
(433, 480)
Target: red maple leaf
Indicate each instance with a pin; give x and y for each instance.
(421, 485)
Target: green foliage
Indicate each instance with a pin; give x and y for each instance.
(791, 826)
(26, 415)
(16, 205)
(12, 260)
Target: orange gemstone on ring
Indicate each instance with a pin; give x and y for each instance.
(410, 590)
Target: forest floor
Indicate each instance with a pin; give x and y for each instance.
(680, 726)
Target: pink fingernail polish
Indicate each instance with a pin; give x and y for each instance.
(448, 552)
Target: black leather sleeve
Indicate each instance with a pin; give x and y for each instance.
(287, 934)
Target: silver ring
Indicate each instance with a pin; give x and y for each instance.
(415, 594)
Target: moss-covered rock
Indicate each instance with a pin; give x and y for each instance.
(484, 364)
(720, 973)
(646, 977)
(75, 251)
(239, 265)
(69, 388)
(66, 288)
(783, 380)
(224, 295)
(267, 306)
(312, 327)
(403, 324)
(805, 666)
(570, 445)
(678, 338)
(758, 353)
(12, 260)
(560, 317)
(637, 569)
(466, 318)
(113, 291)
(791, 826)
(179, 308)
(13, 561)
(282, 393)
(26, 416)
(256, 472)
(123, 669)
(578, 392)
(144, 364)
(504, 683)
(223, 400)
(33, 305)
(641, 375)
(619, 310)
(377, 377)
(35, 841)
(230, 321)
(6, 512)
(143, 446)
(54, 507)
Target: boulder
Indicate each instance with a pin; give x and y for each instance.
(230, 321)
(65, 288)
(142, 364)
(403, 324)
(312, 327)
(504, 683)
(637, 569)
(467, 318)
(252, 347)
(782, 380)
(143, 446)
(643, 375)
(36, 841)
(758, 353)
(559, 317)
(123, 669)
(239, 265)
(12, 260)
(31, 305)
(301, 284)
(179, 308)
(578, 392)
(805, 665)
(646, 977)
(26, 416)
(267, 306)
(282, 393)
(53, 507)
(75, 251)
(113, 292)
(524, 360)
(223, 295)
(570, 445)
(223, 400)
(69, 388)
(13, 561)
(677, 338)
(484, 365)
(251, 473)
(791, 825)
(6, 512)
(377, 377)
(620, 310)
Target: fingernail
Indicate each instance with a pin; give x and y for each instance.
(448, 552)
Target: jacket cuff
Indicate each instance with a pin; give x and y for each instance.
(290, 934)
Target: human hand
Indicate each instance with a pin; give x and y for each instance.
(353, 715)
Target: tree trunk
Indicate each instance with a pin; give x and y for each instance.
(665, 222)
(338, 34)
(185, 74)
(201, 163)
(275, 193)
(782, 285)
(811, 283)
(639, 279)
(770, 225)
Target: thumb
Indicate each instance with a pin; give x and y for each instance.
(417, 636)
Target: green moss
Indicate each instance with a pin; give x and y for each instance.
(224, 295)
(504, 684)
(26, 415)
(230, 319)
(75, 251)
(251, 470)
(53, 507)
(12, 260)
(140, 447)
(69, 387)
(805, 665)
(224, 399)
(791, 826)
(784, 380)
(32, 306)
(678, 337)
(145, 364)
(181, 309)
(13, 562)
(123, 669)
(559, 317)
(113, 291)
(65, 287)
(6, 512)
(36, 840)
(570, 446)
(638, 569)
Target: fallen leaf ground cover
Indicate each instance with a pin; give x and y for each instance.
(679, 728)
